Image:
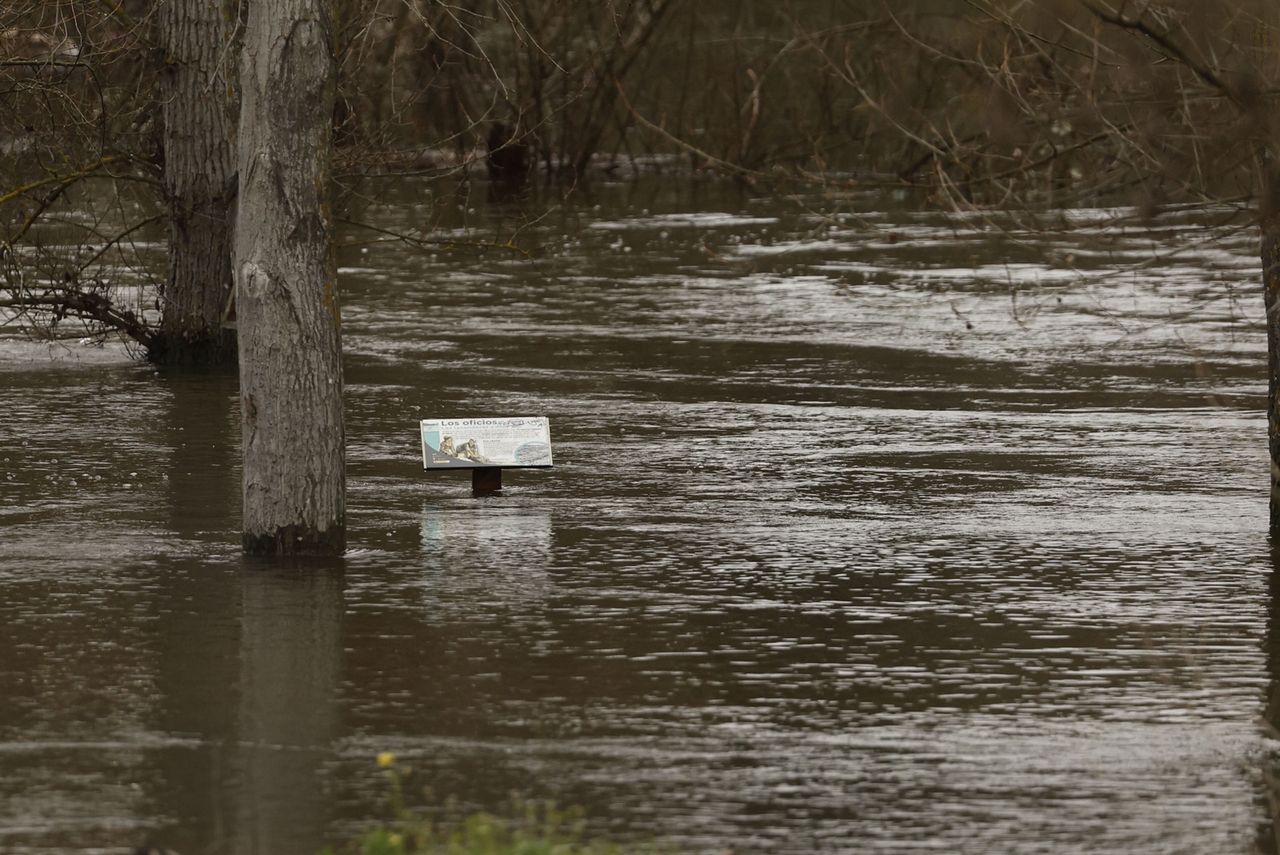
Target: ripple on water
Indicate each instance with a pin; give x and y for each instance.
(870, 533)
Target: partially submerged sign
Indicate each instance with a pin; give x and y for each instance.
(509, 443)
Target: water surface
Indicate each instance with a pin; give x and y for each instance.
(871, 530)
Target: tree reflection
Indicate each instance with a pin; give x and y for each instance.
(196, 604)
(290, 660)
(1269, 829)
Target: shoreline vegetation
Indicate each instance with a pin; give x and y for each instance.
(962, 107)
(530, 828)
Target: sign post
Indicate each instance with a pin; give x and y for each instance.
(486, 447)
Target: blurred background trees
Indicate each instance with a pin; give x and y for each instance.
(982, 102)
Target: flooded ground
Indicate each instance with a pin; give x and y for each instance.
(871, 531)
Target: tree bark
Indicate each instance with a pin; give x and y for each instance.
(199, 98)
(1271, 297)
(286, 284)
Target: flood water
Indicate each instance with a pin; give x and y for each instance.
(871, 530)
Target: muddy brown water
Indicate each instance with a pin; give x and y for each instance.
(872, 530)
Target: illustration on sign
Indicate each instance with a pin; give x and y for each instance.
(473, 443)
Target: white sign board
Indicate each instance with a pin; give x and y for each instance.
(511, 443)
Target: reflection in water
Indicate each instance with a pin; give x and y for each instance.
(870, 533)
(196, 685)
(201, 431)
(290, 662)
(484, 549)
(197, 619)
(1269, 800)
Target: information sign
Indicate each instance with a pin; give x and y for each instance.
(506, 443)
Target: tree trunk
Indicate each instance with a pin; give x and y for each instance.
(198, 93)
(286, 284)
(1271, 296)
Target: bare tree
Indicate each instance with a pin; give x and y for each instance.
(1054, 102)
(199, 100)
(286, 284)
(111, 103)
(1207, 121)
(75, 131)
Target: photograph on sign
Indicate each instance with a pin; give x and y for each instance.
(509, 443)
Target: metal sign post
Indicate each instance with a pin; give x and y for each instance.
(486, 480)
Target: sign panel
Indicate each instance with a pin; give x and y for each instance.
(510, 443)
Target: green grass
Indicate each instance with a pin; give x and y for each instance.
(543, 830)
(534, 828)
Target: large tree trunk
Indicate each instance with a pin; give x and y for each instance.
(286, 284)
(1271, 296)
(199, 100)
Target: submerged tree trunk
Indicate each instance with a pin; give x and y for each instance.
(1269, 222)
(199, 97)
(286, 284)
(1271, 295)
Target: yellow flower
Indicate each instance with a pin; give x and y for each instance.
(395, 839)
(385, 759)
